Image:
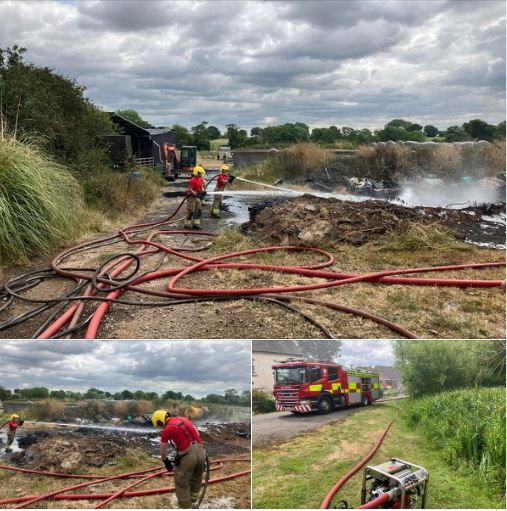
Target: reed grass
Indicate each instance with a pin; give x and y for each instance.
(468, 425)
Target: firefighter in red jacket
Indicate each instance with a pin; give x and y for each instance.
(222, 180)
(14, 422)
(195, 196)
(190, 460)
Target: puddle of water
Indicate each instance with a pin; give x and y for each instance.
(14, 446)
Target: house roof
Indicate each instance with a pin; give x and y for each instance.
(284, 347)
(391, 373)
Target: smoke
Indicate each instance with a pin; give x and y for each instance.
(438, 193)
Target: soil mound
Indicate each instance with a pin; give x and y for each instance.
(66, 453)
(312, 221)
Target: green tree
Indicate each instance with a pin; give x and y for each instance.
(430, 131)
(322, 349)
(237, 137)
(500, 130)
(5, 393)
(213, 132)
(480, 130)
(255, 132)
(428, 367)
(36, 100)
(94, 393)
(135, 117)
(455, 134)
(182, 135)
(200, 137)
(58, 394)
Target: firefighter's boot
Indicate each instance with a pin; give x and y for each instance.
(196, 222)
(188, 220)
(215, 212)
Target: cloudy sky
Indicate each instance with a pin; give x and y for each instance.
(366, 353)
(355, 63)
(194, 367)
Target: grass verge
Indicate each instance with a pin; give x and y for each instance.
(299, 473)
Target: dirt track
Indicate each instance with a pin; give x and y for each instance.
(429, 312)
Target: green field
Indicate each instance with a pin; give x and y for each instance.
(299, 473)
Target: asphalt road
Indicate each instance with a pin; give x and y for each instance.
(275, 427)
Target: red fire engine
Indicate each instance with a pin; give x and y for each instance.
(302, 386)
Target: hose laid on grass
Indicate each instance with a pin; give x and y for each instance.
(144, 476)
(334, 490)
(121, 273)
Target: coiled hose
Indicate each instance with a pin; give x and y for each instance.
(107, 283)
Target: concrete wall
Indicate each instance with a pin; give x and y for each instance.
(250, 157)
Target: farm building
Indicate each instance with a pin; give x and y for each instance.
(144, 145)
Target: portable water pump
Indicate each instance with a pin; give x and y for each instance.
(395, 484)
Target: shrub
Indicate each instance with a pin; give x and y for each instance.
(41, 203)
(117, 193)
(467, 425)
(262, 402)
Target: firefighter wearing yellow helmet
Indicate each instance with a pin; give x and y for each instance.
(190, 460)
(195, 196)
(222, 180)
(14, 422)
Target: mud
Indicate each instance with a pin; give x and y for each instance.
(85, 448)
(312, 221)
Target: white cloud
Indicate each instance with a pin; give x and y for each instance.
(366, 353)
(357, 63)
(193, 367)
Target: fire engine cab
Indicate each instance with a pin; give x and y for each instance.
(302, 386)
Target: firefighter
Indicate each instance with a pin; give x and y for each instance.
(195, 196)
(222, 180)
(14, 422)
(190, 460)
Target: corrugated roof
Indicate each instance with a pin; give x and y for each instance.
(285, 347)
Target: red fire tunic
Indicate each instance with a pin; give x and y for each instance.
(221, 182)
(181, 432)
(13, 425)
(196, 185)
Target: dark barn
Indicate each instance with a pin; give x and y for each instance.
(143, 144)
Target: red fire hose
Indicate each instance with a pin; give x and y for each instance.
(119, 275)
(61, 494)
(332, 492)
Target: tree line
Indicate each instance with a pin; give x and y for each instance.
(290, 133)
(229, 397)
(428, 367)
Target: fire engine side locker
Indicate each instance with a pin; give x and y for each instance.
(354, 387)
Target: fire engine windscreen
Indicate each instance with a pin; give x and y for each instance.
(287, 375)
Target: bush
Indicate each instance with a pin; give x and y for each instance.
(467, 425)
(41, 203)
(262, 402)
(117, 193)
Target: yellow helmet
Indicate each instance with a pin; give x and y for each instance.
(159, 417)
(224, 168)
(198, 171)
(14, 417)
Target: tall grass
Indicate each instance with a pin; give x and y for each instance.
(298, 161)
(468, 426)
(446, 161)
(41, 203)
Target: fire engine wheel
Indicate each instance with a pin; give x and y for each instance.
(365, 401)
(325, 405)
